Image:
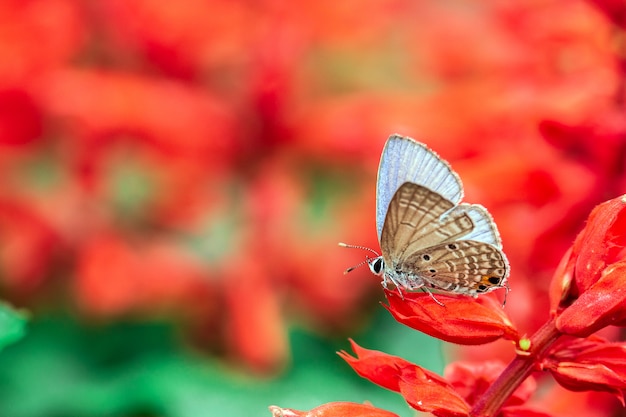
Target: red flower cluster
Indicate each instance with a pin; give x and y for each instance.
(198, 159)
(587, 295)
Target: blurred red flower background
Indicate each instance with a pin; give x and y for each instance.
(196, 162)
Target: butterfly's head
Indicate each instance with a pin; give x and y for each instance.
(377, 265)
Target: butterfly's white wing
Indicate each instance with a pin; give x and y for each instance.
(485, 229)
(405, 160)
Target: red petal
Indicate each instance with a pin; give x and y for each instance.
(590, 349)
(422, 389)
(567, 348)
(433, 398)
(584, 377)
(561, 284)
(612, 355)
(604, 303)
(592, 353)
(460, 320)
(600, 241)
(335, 409)
(386, 370)
(581, 377)
(378, 367)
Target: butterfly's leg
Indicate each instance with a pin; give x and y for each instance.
(433, 296)
(400, 291)
(387, 278)
(506, 292)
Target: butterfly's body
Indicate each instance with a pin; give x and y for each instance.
(427, 237)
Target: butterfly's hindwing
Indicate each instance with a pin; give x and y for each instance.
(466, 267)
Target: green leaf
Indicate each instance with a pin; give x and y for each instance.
(12, 325)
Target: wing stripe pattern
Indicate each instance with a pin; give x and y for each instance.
(412, 220)
(484, 227)
(461, 267)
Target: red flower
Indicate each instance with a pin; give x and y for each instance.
(615, 10)
(336, 409)
(21, 120)
(471, 380)
(116, 277)
(589, 364)
(589, 288)
(422, 389)
(31, 242)
(461, 320)
(121, 103)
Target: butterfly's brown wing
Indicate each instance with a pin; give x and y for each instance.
(465, 267)
(413, 222)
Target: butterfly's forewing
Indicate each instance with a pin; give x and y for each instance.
(413, 222)
(405, 160)
(465, 267)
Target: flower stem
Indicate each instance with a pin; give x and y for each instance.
(516, 372)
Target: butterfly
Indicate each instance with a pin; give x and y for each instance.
(428, 238)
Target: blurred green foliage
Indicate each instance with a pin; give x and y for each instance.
(12, 325)
(63, 368)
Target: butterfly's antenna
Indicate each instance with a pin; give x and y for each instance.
(352, 268)
(345, 245)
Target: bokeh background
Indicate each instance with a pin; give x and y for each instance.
(175, 177)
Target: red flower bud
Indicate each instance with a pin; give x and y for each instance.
(602, 305)
(588, 291)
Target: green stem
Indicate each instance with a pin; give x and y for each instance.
(516, 372)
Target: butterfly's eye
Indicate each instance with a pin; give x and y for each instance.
(377, 265)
